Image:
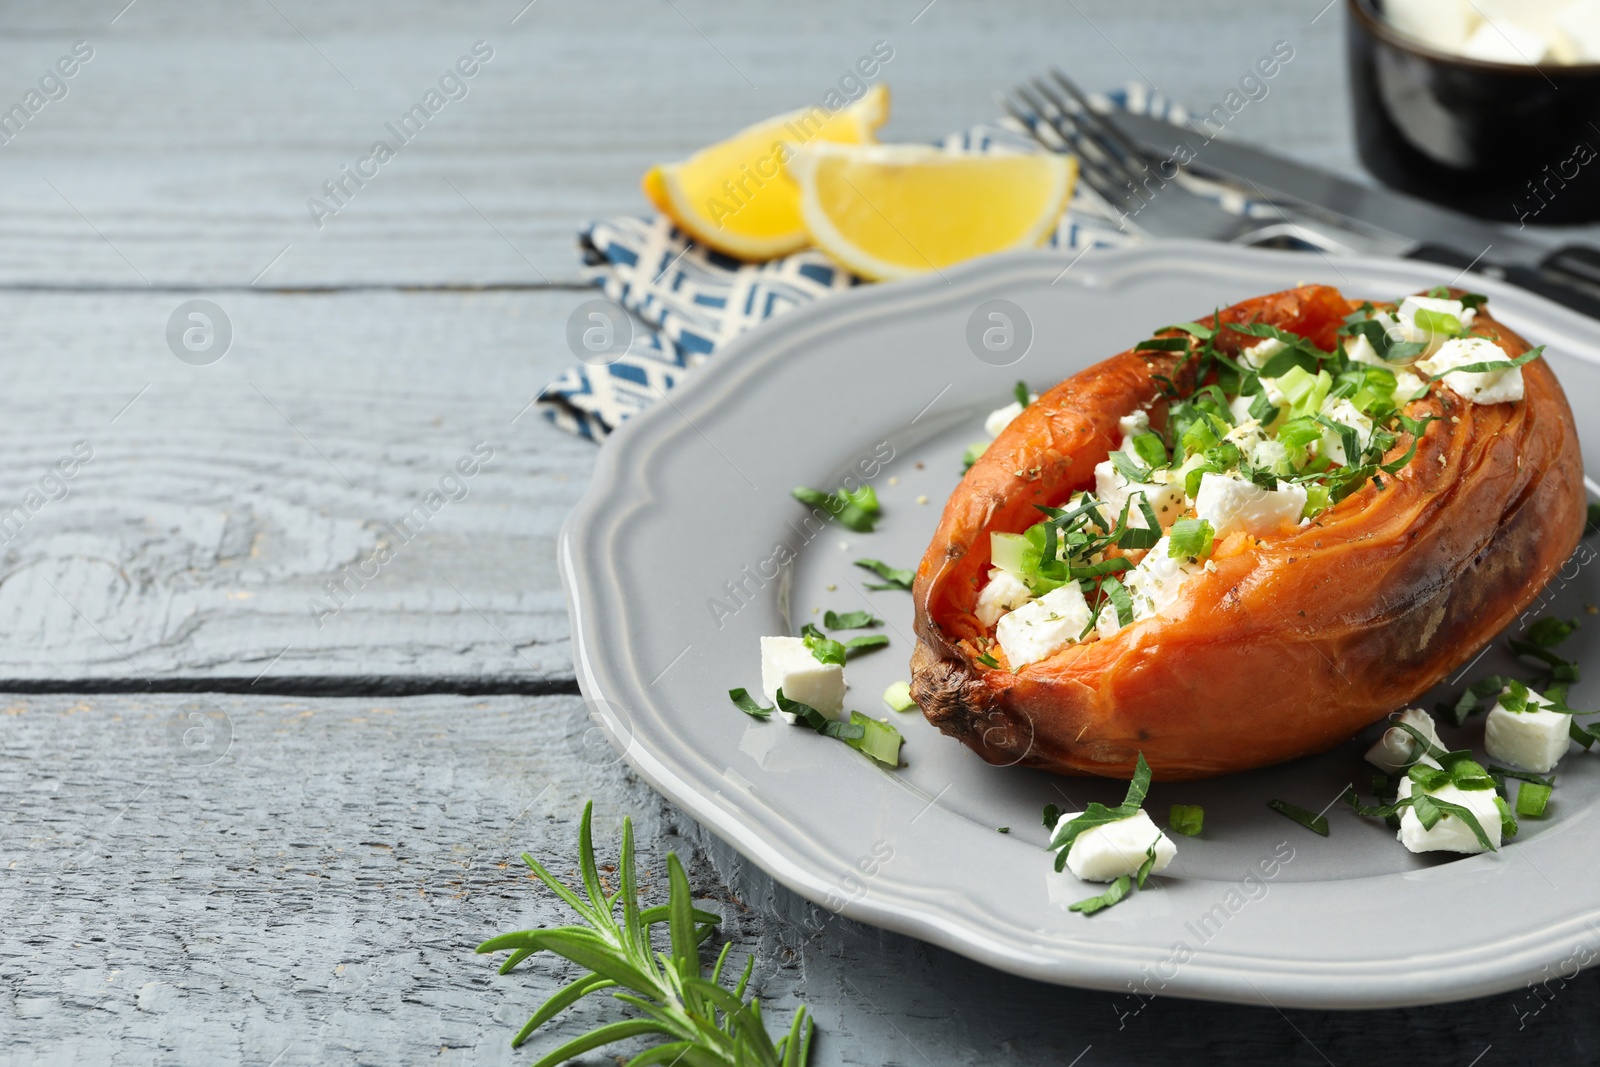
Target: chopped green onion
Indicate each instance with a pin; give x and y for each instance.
(1119, 889)
(878, 741)
(895, 579)
(1186, 819)
(1317, 824)
(1438, 323)
(1532, 798)
(1193, 538)
(1150, 448)
(898, 696)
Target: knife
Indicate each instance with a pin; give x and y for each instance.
(1569, 274)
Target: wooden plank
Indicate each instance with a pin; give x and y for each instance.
(199, 540)
(304, 882)
(186, 149)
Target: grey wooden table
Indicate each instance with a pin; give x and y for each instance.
(301, 877)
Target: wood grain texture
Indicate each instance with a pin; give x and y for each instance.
(304, 882)
(186, 149)
(199, 540)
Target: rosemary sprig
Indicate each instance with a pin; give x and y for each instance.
(705, 1024)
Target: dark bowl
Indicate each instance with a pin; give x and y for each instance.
(1501, 141)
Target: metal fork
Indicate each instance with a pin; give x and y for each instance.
(1151, 199)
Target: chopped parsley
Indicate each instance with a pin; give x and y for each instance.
(893, 578)
(856, 508)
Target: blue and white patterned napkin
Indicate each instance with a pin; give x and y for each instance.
(694, 300)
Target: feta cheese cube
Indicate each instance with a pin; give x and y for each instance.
(1346, 414)
(1153, 586)
(1108, 852)
(1000, 418)
(1480, 387)
(1442, 24)
(1164, 495)
(1395, 748)
(787, 664)
(1004, 592)
(1231, 503)
(1450, 834)
(1500, 41)
(1041, 627)
(1534, 740)
(1578, 25)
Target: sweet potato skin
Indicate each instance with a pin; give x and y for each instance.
(1293, 642)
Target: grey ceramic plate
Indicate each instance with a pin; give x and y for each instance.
(679, 559)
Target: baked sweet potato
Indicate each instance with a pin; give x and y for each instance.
(1287, 643)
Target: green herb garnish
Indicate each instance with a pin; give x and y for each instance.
(1186, 819)
(970, 456)
(824, 648)
(748, 704)
(850, 620)
(988, 661)
(702, 1021)
(856, 508)
(893, 579)
(1020, 391)
(1492, 365)
(1113, 895)
(1097, 814)
(1317, 824)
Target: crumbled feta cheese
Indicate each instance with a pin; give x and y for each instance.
(1000, 418)
(1534, 740)
(1004, 592)
(1256, 355)
(1230, 503)
(1395, 748)
(1041, 627)
(787, 664)
(1345, 413)
(1501, 41)
(1164, 495)
(1132, 426)
(1359, 349)
(1482, 387)
(1444, 24)
(1108, 852)
(1153, 587)
(1406, 387)
(1450, 834)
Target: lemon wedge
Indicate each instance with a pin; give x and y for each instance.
(734, 195)
(892, 211)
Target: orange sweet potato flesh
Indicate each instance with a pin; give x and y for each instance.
(1294, 641)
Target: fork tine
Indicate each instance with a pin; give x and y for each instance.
(1090, 128)
(1030, 121)
(1112, 185)
(1107, 127)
